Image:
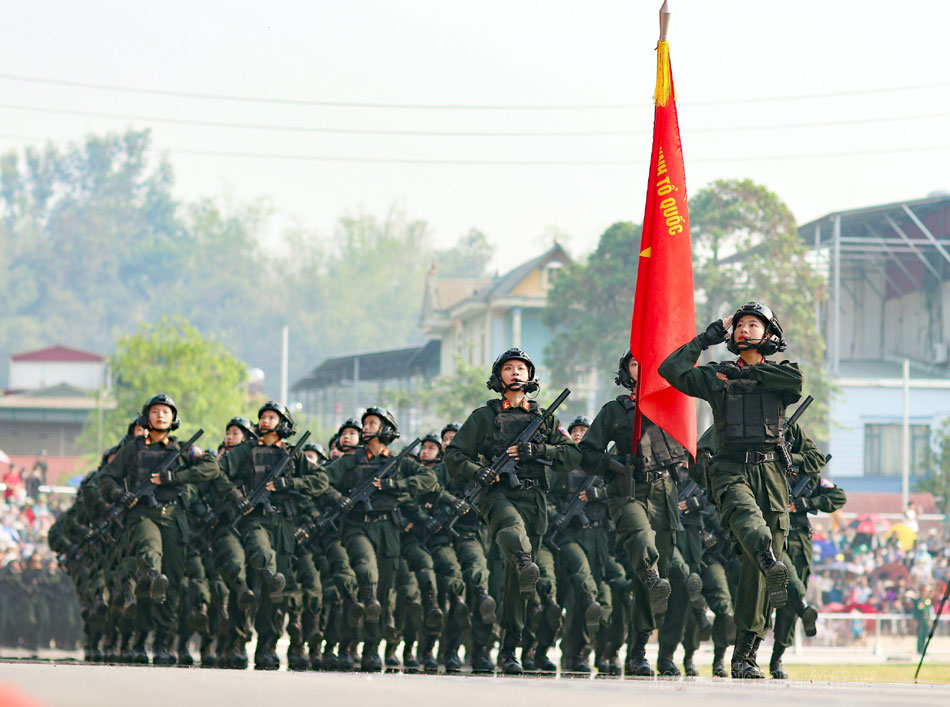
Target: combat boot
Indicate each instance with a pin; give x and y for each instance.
(389, 656)
(776, 578)
(576, 664)
(138, 648)
(315, 644)
(409, 662)
(528, 573)
(429, 662)
(664, 662)
(237, 658)
(718, 666)
(274, 583)
(296, 657)
(743, 658)
(481, 660)
(453, 664)
(434, 615)
(208, 659)
(809, 617)
(775, 664)
(265, 657)
(371, 606)
(160, 652)
(637, 663)
(486, 605)
(370, 662)
(509, 663)
(689, 667)
(243, 596)
(658, 589)
(542, 663)
(345, 660)
(694, 588)
(592, 613)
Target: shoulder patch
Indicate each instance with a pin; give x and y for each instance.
(825, 484)
(563, 430)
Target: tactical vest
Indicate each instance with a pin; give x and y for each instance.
(508, 425)
(264, 458)
(657, 449)
(368, 468)
(596, 511)
(147, 460)
(753, 418)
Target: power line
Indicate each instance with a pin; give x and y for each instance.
(463, 133)
(441, 106)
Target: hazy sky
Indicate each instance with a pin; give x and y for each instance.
(832, 105)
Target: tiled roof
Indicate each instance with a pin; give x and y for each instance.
(57, 354)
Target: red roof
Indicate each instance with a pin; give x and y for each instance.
(889, 503)
(57, 354)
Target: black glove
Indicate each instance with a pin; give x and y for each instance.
(693, 504)
(344, 502)
(486, 476)
(127, 499)
(715, 334)
(242, 507)
(85, 531)
(730, 370)
(283, 483)
(803, 504)
(433, 525)
(556, 520)
(461, 506)
(303, 532)
(597, 493)
(387, 484)
(167, 477)
(529, 451)
(207, 518)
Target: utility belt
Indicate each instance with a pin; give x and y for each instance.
(372, 517)
(748, 456)
(525, 484)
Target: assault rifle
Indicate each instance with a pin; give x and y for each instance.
(568, 512)
(804, 486)
(505, 466)
(260, 495)
(784, 450)
(361, 494)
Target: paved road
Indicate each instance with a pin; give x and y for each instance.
(59, 685)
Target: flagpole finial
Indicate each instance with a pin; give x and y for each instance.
(665, 16)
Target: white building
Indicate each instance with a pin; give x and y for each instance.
(57, 365)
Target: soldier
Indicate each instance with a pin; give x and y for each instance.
(371, 533)
(748, 398)
(268, 528)
(238, 429)
(516, 516)
(157, 522)
(641, 497)
(827, 498)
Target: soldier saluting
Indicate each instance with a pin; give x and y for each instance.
(748, 482)
(516, 516)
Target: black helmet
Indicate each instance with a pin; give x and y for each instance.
(388, 430)
(334, 440)
(436, 440)
(623, 378)
(161, 399)
(140, 421)
(286, 428)
(579, 421)
(318, 448)
(243, 424)
(773, 340)
(450, 427)
(512, 354)
(108, 453)
(352, 423)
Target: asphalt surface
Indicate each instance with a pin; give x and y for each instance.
(57, 684)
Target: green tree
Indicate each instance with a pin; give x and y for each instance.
(937, 480)
(454, 397)
(467, 258)
(202, 377)
(590, 305)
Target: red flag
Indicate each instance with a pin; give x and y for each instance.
(663, 314)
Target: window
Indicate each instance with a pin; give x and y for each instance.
(549, 274)
(883, 449)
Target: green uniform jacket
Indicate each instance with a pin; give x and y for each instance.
(412, 478)
(307, 481)
(476, 436)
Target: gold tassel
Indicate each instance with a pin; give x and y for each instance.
(663, 81)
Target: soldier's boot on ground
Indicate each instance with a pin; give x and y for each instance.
(450, 648)
(658, 589)
(718, 665)
(330, 661)
(744, 666)
(664, 662)
(157, 586)
(138, 648)
(429, 662)
(409, 662)
(698, 611)
(354, 611)
(485, 605)
(528, 573)
(481, 660)
(265, 657)
(344, 658)
(542, 663)
(592, 613)
(371, 606)
(274, 583)
(207, 655)
(507, 661)
(315, 647)
(776, 578)
(237, 658)
(160, 652)
(389, 656)
(296, 651)
(576, 664)
(527, 659)
(809, 616)
(637, 663)
(370, 662)
(184, 655)
(689, 667)
(609, 664)
(553, 614)
(775, 664)
(434, 615)
(243, 595)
